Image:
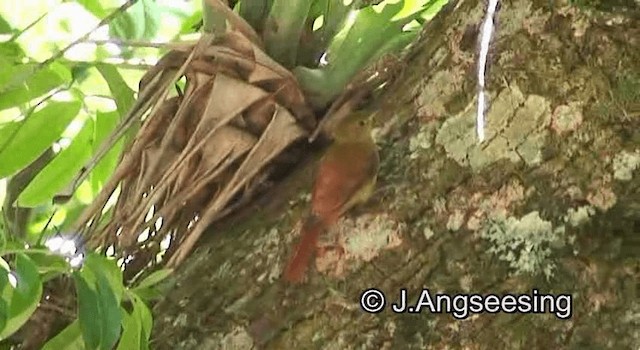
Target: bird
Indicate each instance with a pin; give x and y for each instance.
(346, 176)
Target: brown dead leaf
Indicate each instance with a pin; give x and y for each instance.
(200, 155)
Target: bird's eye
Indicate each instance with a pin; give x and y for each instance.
(362, 122)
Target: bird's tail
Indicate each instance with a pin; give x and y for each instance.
(297, 266)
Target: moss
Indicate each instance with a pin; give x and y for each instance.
(619, 102)
(627, 87)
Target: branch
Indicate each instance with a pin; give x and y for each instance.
(61, 53)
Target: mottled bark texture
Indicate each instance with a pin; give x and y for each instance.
(550, 201)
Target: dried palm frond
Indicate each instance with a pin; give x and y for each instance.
(199, 154)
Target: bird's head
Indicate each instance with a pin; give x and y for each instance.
(354, 127)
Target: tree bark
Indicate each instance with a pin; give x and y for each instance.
(550, 201)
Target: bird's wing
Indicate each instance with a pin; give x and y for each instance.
(344, 171)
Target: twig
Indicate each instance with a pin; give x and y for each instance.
(50, 306)
(115, 62)
(15, 36)
(85, 36)
(46, 226)
(61, 53)
(130, 43)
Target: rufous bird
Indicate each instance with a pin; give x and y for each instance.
(346, 176)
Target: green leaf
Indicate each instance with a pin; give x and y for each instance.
(284, 28)
(255, 12)
(13, 245)
(192, 23)
(49, 264)
(61, 169)
(80, 72)
(146, 319)
(334, 13)
(98, 310)
(125, 26)
(109, 313)
(100, 290)
(11, 50)
(23, 300)
(148, 294)
(121, 92)
(106, 122)
(5, 27)
(94, 6)
(21, 84)
(131, 332)
(140, 21)
(22, 142)
(398, 43)
(360, 39)
(351, 52)
(4, 308)
(154, 278)
(69, 339)
(151, 18)
(143, 317)
(147, 323)
(88, 312)
(97, 264)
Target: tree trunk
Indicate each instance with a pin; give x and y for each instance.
(549, 201)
